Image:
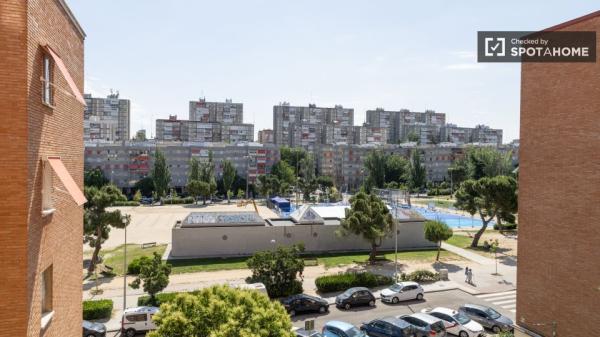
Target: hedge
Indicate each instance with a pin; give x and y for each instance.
(125, 203)
(344, 281)
(506, 226)
(162, 298)
(177, 200)
(420, 275)
(97, 309)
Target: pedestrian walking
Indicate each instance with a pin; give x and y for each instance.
(467, 274)
(470, 276)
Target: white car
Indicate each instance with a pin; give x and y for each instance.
(402, 292)
(456, 322)
(137, 319)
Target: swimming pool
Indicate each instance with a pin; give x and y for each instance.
(452, 220)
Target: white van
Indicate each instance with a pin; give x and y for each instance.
(260, 287)
(137, 319)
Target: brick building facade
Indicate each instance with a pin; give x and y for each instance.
(559, 190)
(41, 80)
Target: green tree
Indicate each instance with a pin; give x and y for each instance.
(418, 176)
(368, 217)
(240, 194)
(196, 188)
(221, 311)
(488, 162)
(94, 177)
(278, 270)
(153, 276)
(160, 174)
(325, 181)
(458, 172)
(137, 196)
(293, 157)
(265, 187)
(437, 231)
(375, 166)
(145, 186)
(194, 173)
(413, 137)
(285, 177)
(396, 169)
(229, 174)
(97, 221)
(488, 197)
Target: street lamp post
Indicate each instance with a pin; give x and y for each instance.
(396, 244)
(125, 272)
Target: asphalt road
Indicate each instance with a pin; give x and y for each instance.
(449, 299)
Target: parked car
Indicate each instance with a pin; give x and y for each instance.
(487, 317)
(341, 329)
(146, 201)
(307, 333)
(91, 329)
(354, 297)
(258, 286)
(300, 303)
(137, 319)
(389, 327)
(425, 324)
(402, 292)
(456, 322)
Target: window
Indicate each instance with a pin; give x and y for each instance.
(46, 296)
(47, 78)
(136, 318)
(47, 187)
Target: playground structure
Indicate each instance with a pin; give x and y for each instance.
(244, 202)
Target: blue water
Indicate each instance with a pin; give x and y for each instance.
(452, 220)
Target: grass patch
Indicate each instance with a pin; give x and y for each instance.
(207, 264)
(424, 256)
(114, 257)
(463, 241)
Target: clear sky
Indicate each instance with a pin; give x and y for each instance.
(361, 54)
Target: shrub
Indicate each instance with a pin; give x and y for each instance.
(134, 266)
(160, 298)
(344, 281)
(178, 200)
(125, 203)
(506, 226)
(420, 275)
(97, 309)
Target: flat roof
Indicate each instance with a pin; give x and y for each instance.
(222, 219)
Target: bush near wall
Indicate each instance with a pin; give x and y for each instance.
(126, 203)
(420, 275)
(134, 266)
(344, 281)
(97, 309)
(162, 298)
(177, 201)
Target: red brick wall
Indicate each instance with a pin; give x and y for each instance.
(559, 195)
(55, 240)
(13, 168)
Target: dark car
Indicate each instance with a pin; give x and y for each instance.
(146, 201)
(307, 333)
(301, 303)
(91, 329)
(355, 297)
(388, 327)
(487, 317)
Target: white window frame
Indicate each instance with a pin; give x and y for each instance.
(47, 89)
(47, 296)
(47, 189)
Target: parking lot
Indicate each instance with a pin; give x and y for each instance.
(450, 299)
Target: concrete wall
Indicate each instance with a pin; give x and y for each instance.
(210, 242)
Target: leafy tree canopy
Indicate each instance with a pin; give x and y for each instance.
(278, 270)
(437, 231)
(153, 276)
(94, 177)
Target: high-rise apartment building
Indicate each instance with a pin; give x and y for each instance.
(403, 125)
(106, 119)
(226, 112)
(265, 136)
(310, 125)
(41, 84)
(558, 273)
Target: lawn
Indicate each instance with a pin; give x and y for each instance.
(114, 257)
(421, 256)
(464, 241)
(206, 264)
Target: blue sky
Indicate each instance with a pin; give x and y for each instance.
(361, 54)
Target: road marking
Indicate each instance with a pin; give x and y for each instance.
(499, 298)
(510, 306)
(513, 310)
(505, 302)
(497, 294)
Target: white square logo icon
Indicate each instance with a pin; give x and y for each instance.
(495, 46)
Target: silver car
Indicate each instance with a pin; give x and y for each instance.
(487, 317)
